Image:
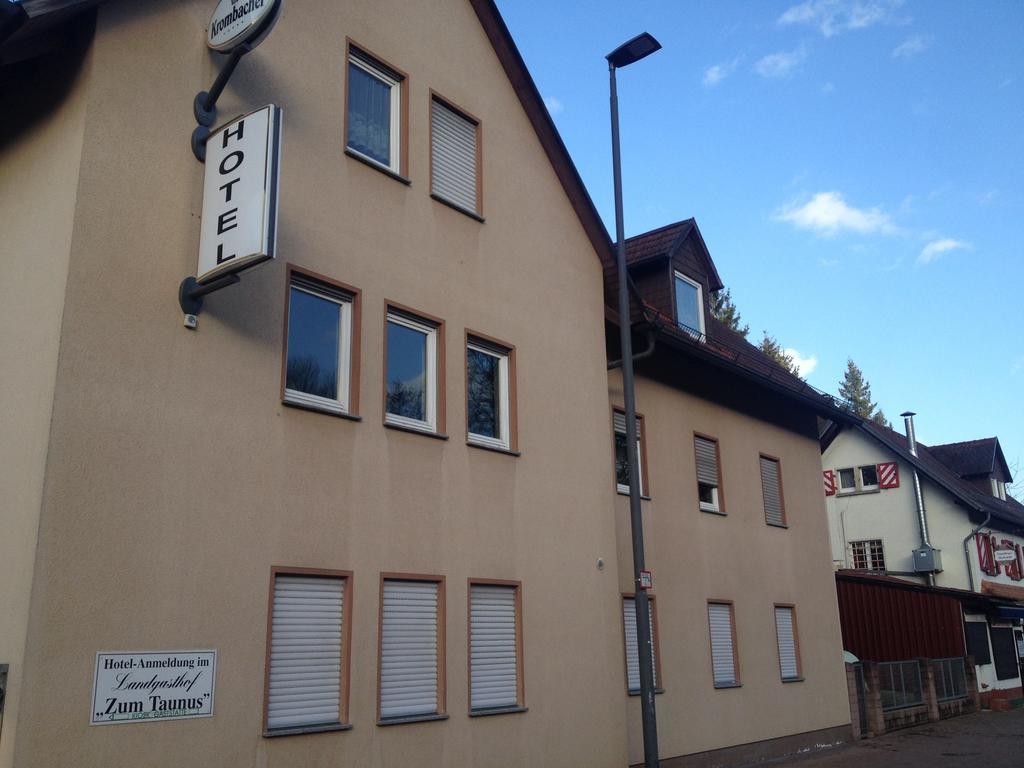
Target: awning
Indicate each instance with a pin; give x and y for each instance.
(1010, 611)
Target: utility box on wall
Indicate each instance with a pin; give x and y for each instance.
(927, 560)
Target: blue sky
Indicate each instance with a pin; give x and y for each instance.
(855, 167)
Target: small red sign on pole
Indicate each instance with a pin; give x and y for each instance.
(646, 582)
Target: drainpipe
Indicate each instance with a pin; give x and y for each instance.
(922, 516)
(967, 556)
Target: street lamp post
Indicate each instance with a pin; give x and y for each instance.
(633, 50)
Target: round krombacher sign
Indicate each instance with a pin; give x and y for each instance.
(240, 21)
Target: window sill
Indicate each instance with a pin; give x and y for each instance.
(319, 409)
(414, 431)
(728, 685)
(411, 719)
(792, 679)
(272, 734)
(637, 693)
(776, 525)
(497, 711)
(377, 166)
(719, 512)
(459, 208)
(626, 494)
(493, 448)
(858, 493)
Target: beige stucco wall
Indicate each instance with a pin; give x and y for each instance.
(696, 556)
(38, 189)
(176, 478)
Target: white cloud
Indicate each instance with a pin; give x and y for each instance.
(988, 197)
(828, 87)
(781, 64)
(806, 365)
(827, 213)
(910, 47)
(1018, 366)
(828, 263)
(716, 73)
(936, 248)
(835, 16)
(554, 105)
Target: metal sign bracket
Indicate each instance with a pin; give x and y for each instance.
(191, 293)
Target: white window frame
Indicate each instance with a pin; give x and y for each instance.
(869, 556)
(620, 487)
(504, 423)
(713, 505)
(342, 402)
(860, 476)
(840, 489)
(369, 66)
(700, 301)
(431, 331)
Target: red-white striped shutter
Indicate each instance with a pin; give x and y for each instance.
(985, 559)
(830, 482)
(996, 568)
(888, 474)
(1019, 563)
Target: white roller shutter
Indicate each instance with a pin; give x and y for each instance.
(772, 492)
(723, 659)
(453, 156)
(492, 647)
(786, 635)
(707, 461)
(632, 649)
(305, 651)
(408, 658)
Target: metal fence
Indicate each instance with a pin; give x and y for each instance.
(900, 684)
(950, 679)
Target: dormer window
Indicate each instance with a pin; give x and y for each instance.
(689, 306)
(998, 488)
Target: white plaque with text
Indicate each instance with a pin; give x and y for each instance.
(136, 687)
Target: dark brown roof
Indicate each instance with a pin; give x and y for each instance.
(971, 457)
(665, 241)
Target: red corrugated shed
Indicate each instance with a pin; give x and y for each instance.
(886, 622)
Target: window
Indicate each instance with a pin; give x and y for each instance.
(621, 459)
(411, 680)
(455, 157)
(489, 377)
(863, 478)
(789, 643)
(847, 480)
(998, 488)
(724, 656)
(709, 475)
(868, 477)
(689, 305)
(374, 117)
(413, 372)
(321, 336)
(1004, 652)
(307, 672)
(771, 489)
(868, 555)
(976, 635)
(632, 648)
(495, 647)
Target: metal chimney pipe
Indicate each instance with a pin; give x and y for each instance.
(922, 515)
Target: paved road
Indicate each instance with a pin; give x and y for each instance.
(982, 739)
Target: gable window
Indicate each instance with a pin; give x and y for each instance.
(789, 643)
(724, 656)
(771, 490)
(709, 474)
(632, 648)
(495, 647)
(689, 305)
(868, 555)
(847, 480)
(411, 682)
(412, 371)
(862, 478)
(489, 377)
(307, 668)
(868, 477)
(621, 458)
(373, 116)
(322, 318)
(455, 157)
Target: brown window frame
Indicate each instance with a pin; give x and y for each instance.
(393, 307)
(520, 705)
(402, 174)
(659, 684)
(509, 350)
(442, 670)
(355, 348)
(782, 491)
(796, 644)
(738, 683)
(478, 214)
(346, 650)
(645, 488)
(718, 462)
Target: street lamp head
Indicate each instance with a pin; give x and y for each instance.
(640, 46)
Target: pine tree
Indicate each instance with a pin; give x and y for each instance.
(856, 391)
(725, 312)
(771, 347)
(879, 418)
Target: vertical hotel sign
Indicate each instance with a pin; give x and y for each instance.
(152, 685)
(239, 227)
